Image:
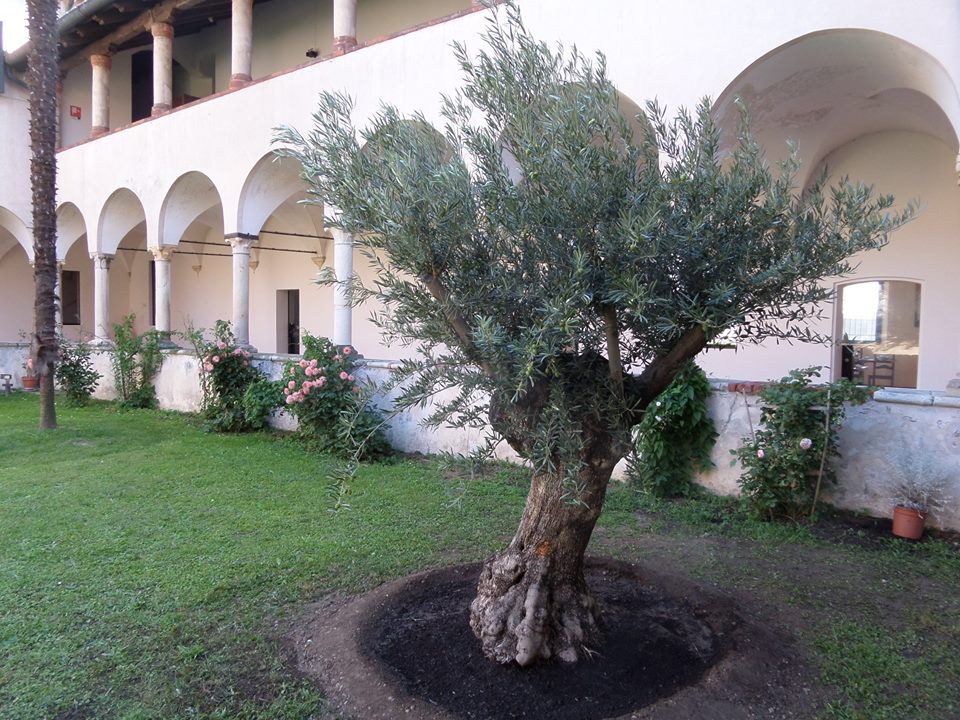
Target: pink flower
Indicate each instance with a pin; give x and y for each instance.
(350, 378)
(337, 358)
(305, 389)
(290, 400)
(286, 391)
(208, 367)
(221, 344)
(356, 389)
(806, 444)
(313, 363)
(291, 384)
(760, 453)
(347, 350)
(303, 363)
(322, 381)
(343, 375)
(297, 397)
(246, 354)
(293, 371)
(237, 351)
(216, 358)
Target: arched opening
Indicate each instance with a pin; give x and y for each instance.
(293, 245)
(875, 109)
(880, 332)
(16, 277)
(191, 219)
(123, 234)
(76, 274)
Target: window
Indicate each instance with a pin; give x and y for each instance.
(70, 297)
(880, 333)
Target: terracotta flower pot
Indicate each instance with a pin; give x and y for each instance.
(908, 523)
(30, 382)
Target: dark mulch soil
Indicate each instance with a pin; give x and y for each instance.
(672, 650)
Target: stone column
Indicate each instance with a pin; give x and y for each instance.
(241, 43)
(241, 286)
(344, 25)
(162, 68)
(58, 305)
(100, 95)
(343, 269)
(101, 298)
(161, 270)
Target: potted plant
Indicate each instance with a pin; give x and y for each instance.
(917, 492)
(30, 380)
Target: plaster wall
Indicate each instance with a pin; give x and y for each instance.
(16, 282)
(926, 250)
(78, 260)
(15, 172)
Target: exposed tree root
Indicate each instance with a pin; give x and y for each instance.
(524, 612)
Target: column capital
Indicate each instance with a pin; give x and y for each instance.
(103, 61)
(161, 29)
(162, 253)
(101, 260)
(241, 242)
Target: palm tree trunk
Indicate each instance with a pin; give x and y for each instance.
(42, 78)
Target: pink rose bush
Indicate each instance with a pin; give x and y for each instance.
(226, 375)
(321, 391)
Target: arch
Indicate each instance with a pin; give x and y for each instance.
(18, 230)
(829, 87)
(70, 227)
(272, 182)
(192, 197)
(121, 213)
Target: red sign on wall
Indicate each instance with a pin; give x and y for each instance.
(75, 111)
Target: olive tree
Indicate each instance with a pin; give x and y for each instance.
(554, 269)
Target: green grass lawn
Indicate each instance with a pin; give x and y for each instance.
(149, 569)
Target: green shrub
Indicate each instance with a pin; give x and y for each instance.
(675, 437)
(261, 398)
(797, 437)
(321, 391)
(136, 359)
(226, 374)
(75, 373)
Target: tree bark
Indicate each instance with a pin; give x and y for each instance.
(42, 79)
(532, 599)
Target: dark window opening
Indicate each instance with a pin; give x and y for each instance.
(70, 297)
(288, 321)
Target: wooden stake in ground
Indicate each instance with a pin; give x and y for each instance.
(42, 78)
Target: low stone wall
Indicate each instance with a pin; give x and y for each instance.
(870, 439)
(12, 358)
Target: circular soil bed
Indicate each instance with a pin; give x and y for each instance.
(671, 650)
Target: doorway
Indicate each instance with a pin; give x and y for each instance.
(288, 322)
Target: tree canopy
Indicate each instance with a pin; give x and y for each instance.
(554, 263)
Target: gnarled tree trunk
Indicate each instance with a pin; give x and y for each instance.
(532, 599)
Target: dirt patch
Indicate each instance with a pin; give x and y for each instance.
(673, 649)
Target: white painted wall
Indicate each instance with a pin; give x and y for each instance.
(927, 250)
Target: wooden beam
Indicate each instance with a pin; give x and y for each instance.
(161, 12)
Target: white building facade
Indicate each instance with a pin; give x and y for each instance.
(171, 207)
